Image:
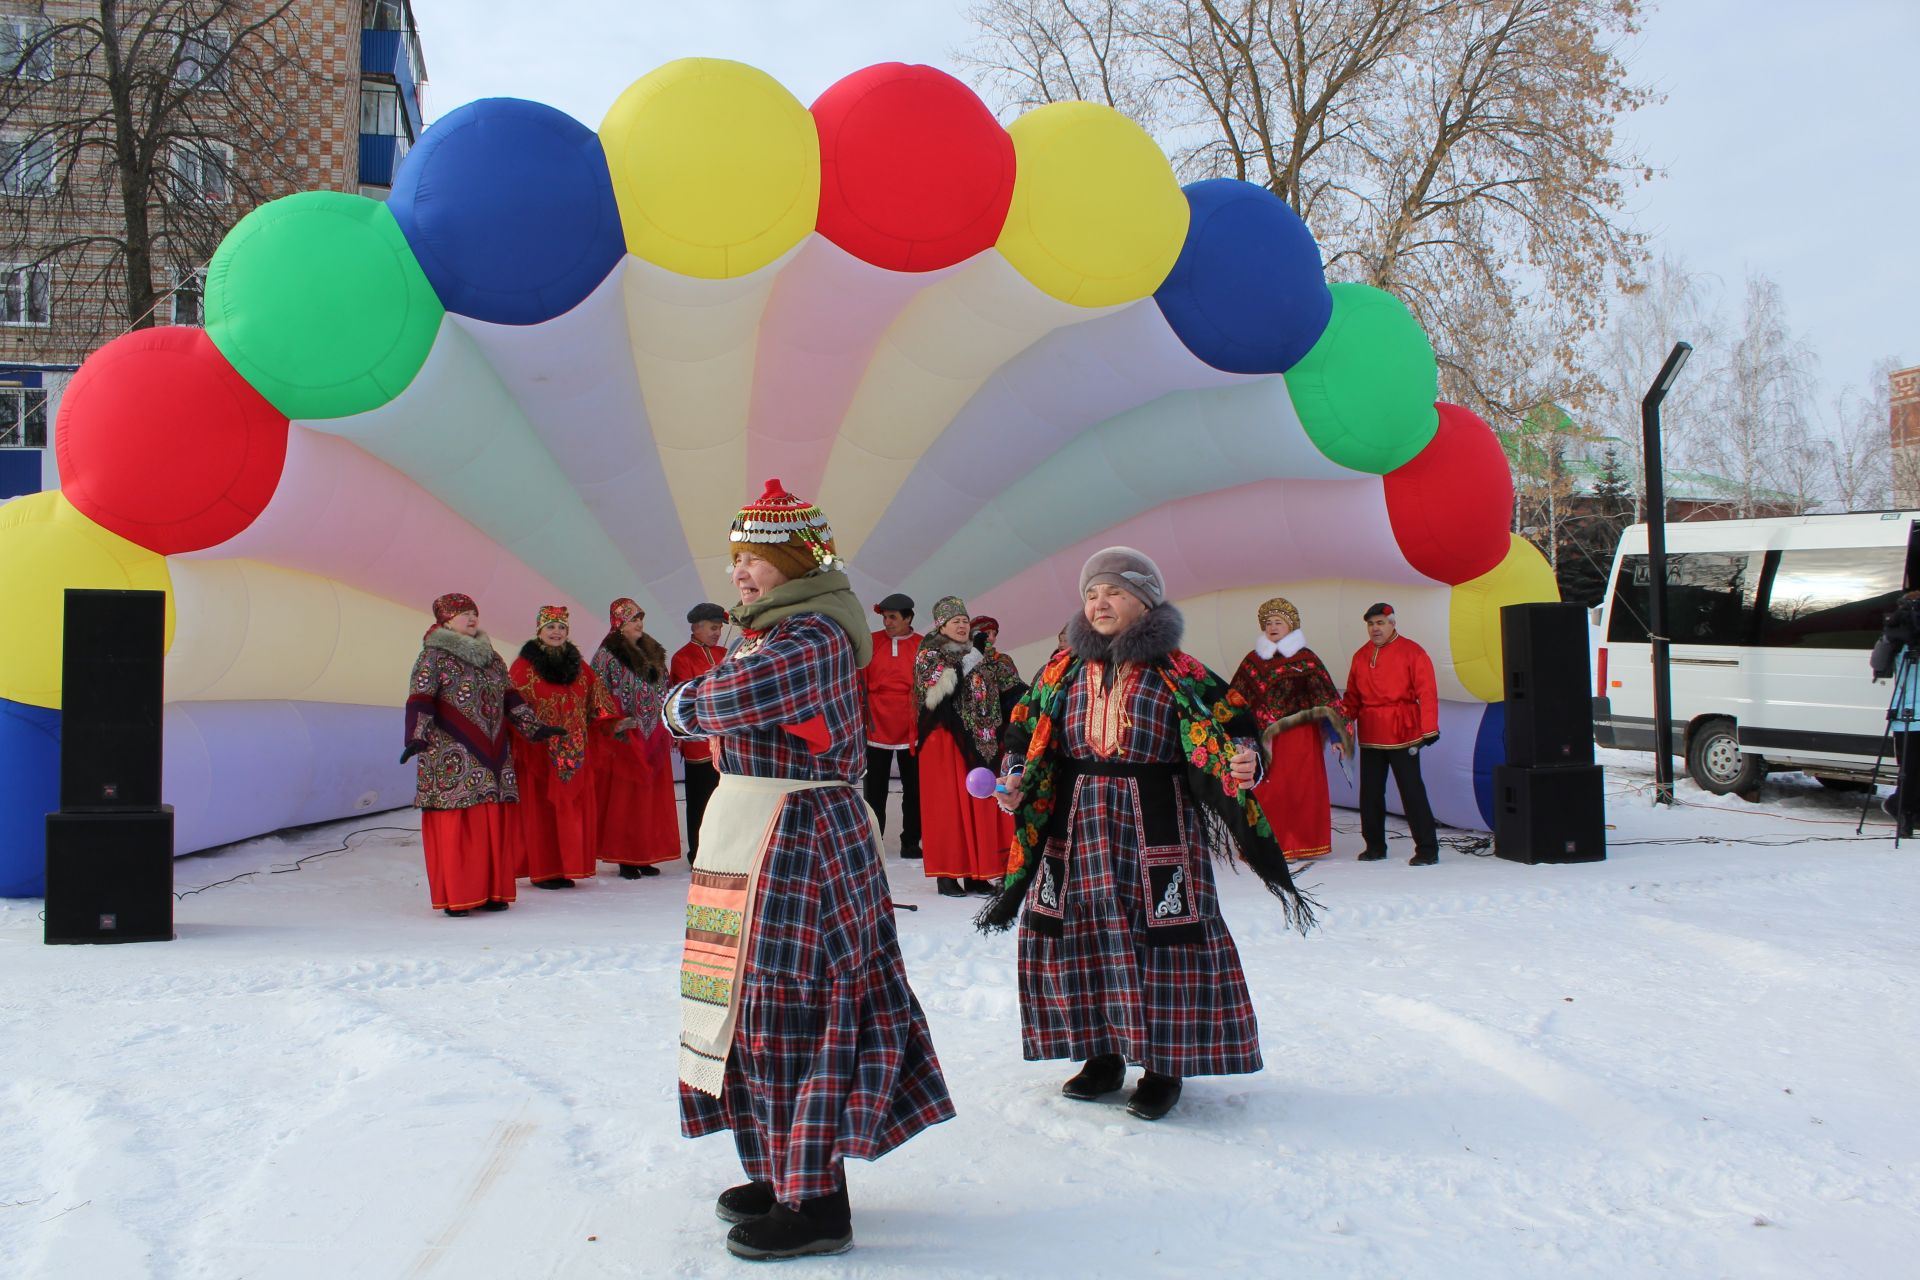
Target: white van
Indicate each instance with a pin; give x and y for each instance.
(1770, 623)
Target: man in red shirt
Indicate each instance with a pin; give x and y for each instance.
(892, 719)
(698, 656)
(1394, 705)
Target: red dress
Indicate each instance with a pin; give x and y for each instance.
(557, 812)
(638, 818)
(961, 837)
(1294, 792)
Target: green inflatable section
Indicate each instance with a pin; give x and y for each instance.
(318, 302)
(1365, 391)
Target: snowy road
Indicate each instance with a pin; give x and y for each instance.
(1689, 1060)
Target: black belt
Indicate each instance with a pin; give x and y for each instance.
(1122, 768)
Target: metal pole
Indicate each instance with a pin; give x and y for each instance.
(1657, 571)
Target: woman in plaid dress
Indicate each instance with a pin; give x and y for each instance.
(1128, 765)
(828, 1055)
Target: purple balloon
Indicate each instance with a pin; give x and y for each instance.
(981, 783)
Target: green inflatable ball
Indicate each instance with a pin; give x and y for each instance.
(318, 302)
(1366, 391)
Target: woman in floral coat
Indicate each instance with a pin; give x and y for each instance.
(1128, 765)
(1293, 700)
(963, 840)
(558, 812)
(799, 1031)
(458, 707)
(638, 820)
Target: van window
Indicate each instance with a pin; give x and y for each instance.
(1710, 598)
(1832, 599)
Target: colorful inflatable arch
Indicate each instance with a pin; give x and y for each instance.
(554, 361)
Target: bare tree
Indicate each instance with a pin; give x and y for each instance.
(1458, 153)
(1858, 450)
(132, 136)
(1760, 439)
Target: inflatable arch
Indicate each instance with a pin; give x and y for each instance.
(554, 361)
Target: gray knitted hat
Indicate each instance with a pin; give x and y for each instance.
(1130, 570)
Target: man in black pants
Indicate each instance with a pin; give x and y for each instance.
(1394, 706)
(892, 715)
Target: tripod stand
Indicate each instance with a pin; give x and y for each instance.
(1908, 716)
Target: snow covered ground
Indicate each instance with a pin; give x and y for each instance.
(1693, 1059)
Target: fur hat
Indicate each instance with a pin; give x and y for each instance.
(947, 608)
(1282, 608)
(790, 534)
(1130, 570)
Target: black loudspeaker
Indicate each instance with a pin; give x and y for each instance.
(1549, 692)
(1549, 815)
(110, 695)
(110, 876)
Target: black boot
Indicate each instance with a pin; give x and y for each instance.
(456, 914)
(558, 882)
(910, 853)
(1154, 1096)
(629, 873)
(1104, 1073)
(1424, 858)
(745, 1202)
(822, 1225)
(1372, 855)
(494, 904)
(950, 888)
(649, 871)
(980, 888)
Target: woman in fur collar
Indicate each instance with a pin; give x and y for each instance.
(1298, 709)
(459, 705)
(1128, 768)
(963, 840)
(558, 807)
(639, 823)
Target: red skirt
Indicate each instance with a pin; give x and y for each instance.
(1294, 793)
(557, 820)
(470, 856)
(960, 836)
(639, 823)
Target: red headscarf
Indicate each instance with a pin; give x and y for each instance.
(450, 606)
(621, 612)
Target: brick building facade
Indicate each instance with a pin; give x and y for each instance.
(1903, 426)
(344, 108)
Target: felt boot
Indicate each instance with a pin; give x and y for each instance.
(745, 1202)
(1104, 1073)
(950, 888)
(629, 873)
(822, 1225)
(1154, 1096)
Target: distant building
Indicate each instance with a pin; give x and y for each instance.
(358, 101)
(1903, 426)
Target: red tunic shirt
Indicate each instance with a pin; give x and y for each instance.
(1391, 696)
(892, 711)
(690, 660)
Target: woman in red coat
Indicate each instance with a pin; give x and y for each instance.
(558, 808)
(1292, 697)
(639, 821)
(963, 840)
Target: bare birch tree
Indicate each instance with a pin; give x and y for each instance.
(1760, 440)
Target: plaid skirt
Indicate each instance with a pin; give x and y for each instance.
(831, 1057)
(1181, 1009)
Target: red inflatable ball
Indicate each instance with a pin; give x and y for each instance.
(1451, 506)
(161, 441)
(915, 173)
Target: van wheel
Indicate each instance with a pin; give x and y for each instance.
(1715, 761)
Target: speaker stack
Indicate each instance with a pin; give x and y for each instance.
(110, 847)
(1549, 797)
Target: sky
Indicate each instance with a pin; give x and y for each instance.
(1787, 138)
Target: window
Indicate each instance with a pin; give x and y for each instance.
(385, 15)
(26, 53)
(1832, 599)
(189, 290)
(23, 418)
(24, 295)
(26, 165)
(200, 171)
(203, 59)
(1710, 598)
(380, 110)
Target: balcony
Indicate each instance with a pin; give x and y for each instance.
(380, 155)
(384, 53)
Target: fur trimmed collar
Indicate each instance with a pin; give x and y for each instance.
(646, 659)
(1291, 643)
(555, 666)
(474, 650)
(1157, 634)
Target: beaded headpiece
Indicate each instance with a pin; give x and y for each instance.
(1282, 608)
(777, 517)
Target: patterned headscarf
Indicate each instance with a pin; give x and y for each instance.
(984, 623)
(450, 606)
(621, 612)
(788, 532)
(1282, 608)
(551, 613)
(947, 608)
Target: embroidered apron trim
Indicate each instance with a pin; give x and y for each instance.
(1165, 860)
(734, 836)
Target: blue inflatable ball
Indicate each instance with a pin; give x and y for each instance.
(1248, 294)
(1489, 750)
(29, 791)
(509, 208)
